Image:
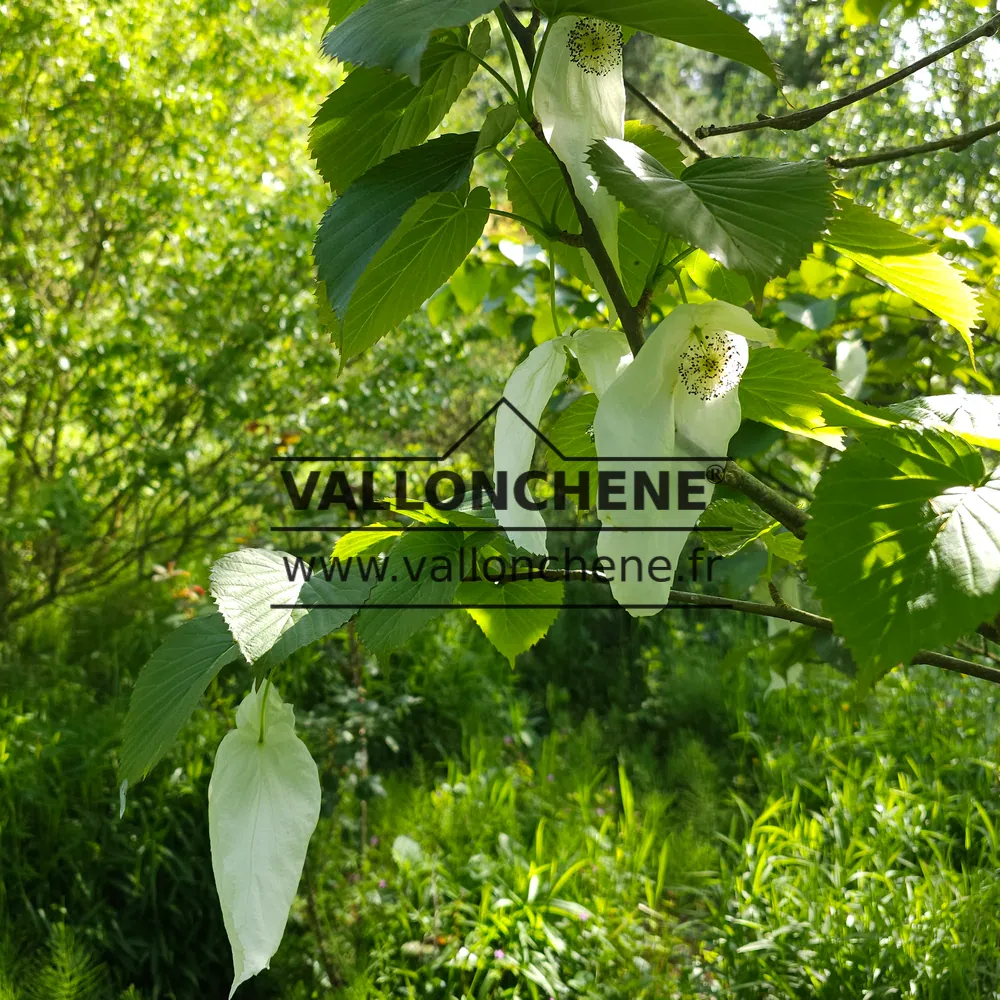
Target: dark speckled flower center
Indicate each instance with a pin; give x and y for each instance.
(595, 46)
(710, 366)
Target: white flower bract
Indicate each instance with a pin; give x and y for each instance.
(580, 98)
(678, 400)
(263, 805)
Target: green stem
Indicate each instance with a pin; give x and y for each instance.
(552, 289)
(515, 64)
(263, 707)
(527, 223)
(489, 69)
(538, 63)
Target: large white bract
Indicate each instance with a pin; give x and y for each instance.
(528, 391)
(580, 98)
(673, 410)
(263, 805)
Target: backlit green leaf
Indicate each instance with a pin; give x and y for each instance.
(909, 265)
(788, 390)
(904, 546)
(515, 624)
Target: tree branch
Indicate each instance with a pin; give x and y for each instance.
(785, 613)
(770, 501)
(525, 35)
(798, 120)
(594, 245)
(698, 151)
(956, 142)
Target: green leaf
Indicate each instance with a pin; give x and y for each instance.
(641, 249)
(394, 33)
(434, 238)
(340, 9)
(747, 523)
(169, 687)
(538, 191)
(904, 546)
(306, 627)
(424, 568)
(253, 591)
(973, 417)
(697, 23)
(516, 625)
(788, 390)
(573, 435)
(905, 263)
(498, 125)
(755, 217)
(375, 114)
(710, 276)
(356, 543)
(358, 223)
(783, 544)
(658, 144)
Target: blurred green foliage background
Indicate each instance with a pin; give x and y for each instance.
(688, 806)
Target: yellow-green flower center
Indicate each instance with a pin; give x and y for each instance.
(595, 46)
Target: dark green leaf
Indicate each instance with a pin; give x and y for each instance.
(904, 546)
(374, 114)
(395, 33)
(433, 239)
(168, 689)
(698, 23)
(755, 217)
(538, 191)
(359, 222)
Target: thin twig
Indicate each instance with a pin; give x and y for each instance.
(698, 151)
(798, 120)
(784, 612)
(956, 142)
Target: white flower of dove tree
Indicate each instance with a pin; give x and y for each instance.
(678, 400)
(263, 805)
(603, 355)
(579, 98)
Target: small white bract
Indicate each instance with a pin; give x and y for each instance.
(263, 805)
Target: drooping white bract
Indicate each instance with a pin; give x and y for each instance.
(603, 355)
(263, 805)
(580, 98)
(673, 410)
(528, 391)
(852, 366)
